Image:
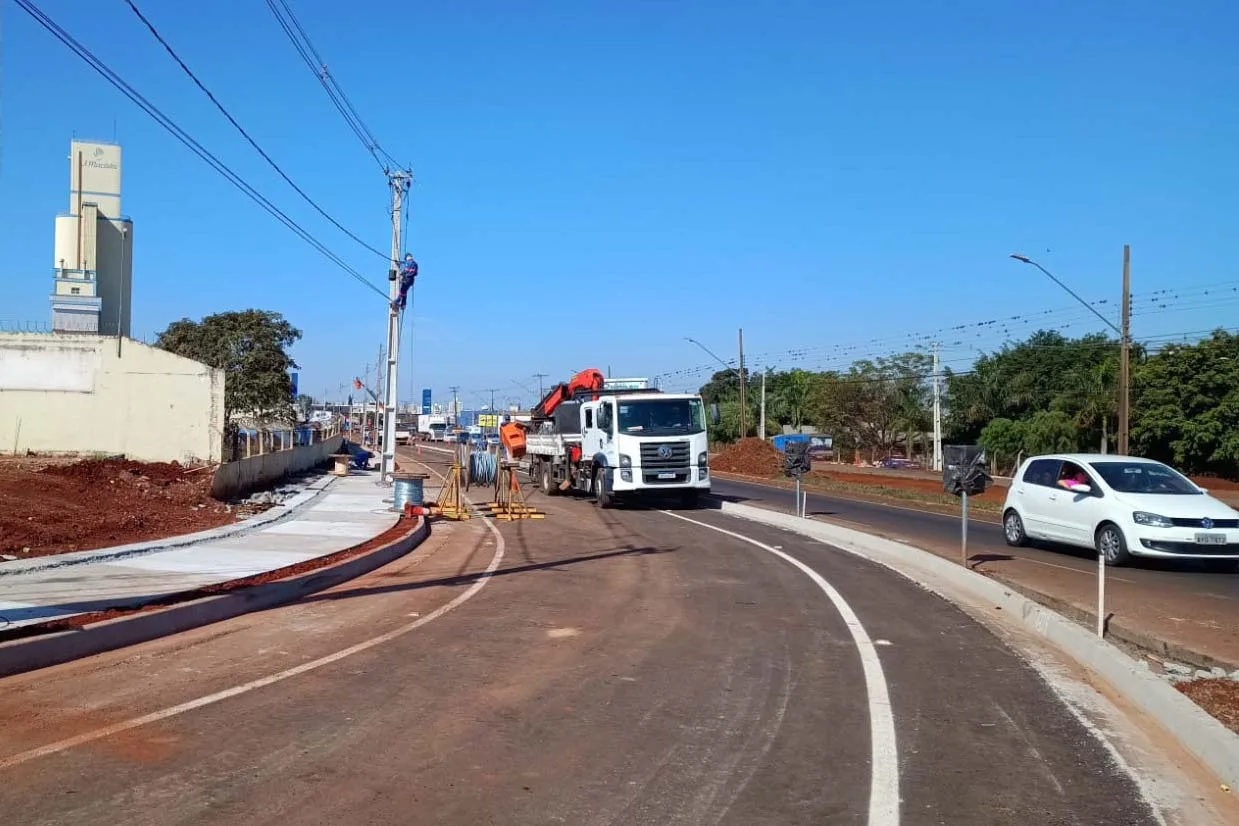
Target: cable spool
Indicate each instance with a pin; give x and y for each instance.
(483, 468)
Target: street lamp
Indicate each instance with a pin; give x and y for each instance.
(1124, 340)
(1025, 259)
(739, 375)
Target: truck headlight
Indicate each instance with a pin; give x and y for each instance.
(625, 460)
(703, 459)
(1151, 520)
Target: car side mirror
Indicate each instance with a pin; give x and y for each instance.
(1203, 490)
(1087, 490)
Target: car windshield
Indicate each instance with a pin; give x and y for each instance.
(1145, 477)
(660, 417)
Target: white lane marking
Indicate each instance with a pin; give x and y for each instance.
(884, 765)
(262, 682)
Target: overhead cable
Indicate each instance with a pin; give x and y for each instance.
(184, 137)
(168, 48)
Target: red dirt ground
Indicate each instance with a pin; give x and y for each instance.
(751, 457)
(51, 507)
(1218, 697)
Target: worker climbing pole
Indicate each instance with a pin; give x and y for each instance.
(399, 181)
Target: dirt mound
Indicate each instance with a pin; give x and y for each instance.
(105, 470)
(752, 457)
(97, 503)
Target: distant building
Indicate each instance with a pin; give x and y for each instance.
(93, 288)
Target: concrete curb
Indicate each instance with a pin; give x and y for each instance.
(1211, 742)
(267, 517)
(29, 654)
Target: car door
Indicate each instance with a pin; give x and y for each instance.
(1077, 514)
(1034, 494)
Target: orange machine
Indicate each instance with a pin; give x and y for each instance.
(512, 437)
(591, 380)
(512, 434)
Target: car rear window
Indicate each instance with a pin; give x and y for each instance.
(1042, 472)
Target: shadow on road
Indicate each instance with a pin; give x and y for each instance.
(469, 579)
(981, 559)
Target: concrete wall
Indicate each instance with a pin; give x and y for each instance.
(246, 475)
(72, 393)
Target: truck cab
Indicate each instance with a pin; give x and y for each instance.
(646, 442)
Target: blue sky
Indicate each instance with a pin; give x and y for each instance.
(596, 181)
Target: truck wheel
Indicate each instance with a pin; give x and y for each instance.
(690, 499)
(544, 478)
(602, 496)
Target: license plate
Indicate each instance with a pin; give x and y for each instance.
(1210, 539)
(666, 476)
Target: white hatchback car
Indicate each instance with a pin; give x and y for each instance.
(1121, 506)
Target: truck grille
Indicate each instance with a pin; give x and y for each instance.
(651, 460)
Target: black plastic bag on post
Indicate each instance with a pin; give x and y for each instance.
(796, 460)
(964, 471)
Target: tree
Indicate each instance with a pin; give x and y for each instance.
(872, 402)
(1185, 408)
(1004, 440)
(1021, 379)
(304, 405)
(1090, 397)
(251, 347)
(1050, 431)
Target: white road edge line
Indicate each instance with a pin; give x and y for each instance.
(262, 682)
(884, 765)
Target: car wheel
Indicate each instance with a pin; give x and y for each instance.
(1013, 529)
(1112, 545)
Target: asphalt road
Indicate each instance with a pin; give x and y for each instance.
(595, 667)
(985, 541)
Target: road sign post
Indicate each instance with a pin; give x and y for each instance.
(796, 464)
(964, 475)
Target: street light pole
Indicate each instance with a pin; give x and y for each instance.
(739, 374)
(1124, 334)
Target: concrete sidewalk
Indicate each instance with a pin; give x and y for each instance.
(347, 513)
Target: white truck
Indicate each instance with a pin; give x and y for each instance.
(619, 439)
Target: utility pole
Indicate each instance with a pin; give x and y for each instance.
(761, 428)
(399, 182)
(378, 392)
(539, 377)
(491, 390)
(744, 429)
(937, 410)
(1125, 357)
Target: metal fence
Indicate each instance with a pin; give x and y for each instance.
(257, 442)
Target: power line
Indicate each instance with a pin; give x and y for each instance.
(184, 137)
(305, 48)
(155, 33)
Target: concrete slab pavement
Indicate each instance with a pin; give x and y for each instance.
(352, 510)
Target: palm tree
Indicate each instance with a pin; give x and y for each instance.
(1096, 397)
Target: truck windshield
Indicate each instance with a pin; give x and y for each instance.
(661, 417)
